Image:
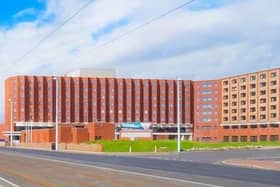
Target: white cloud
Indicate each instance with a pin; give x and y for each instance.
(28, 11)
(237, 37)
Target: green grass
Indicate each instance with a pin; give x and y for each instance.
(171, 145)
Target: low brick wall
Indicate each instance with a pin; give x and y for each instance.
(85, 147)
(65, 147)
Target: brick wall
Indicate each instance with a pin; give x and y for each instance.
(105, 131)
(1, 132)
(80, 135)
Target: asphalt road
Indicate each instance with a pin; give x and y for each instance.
(44, 168)
(219, 156)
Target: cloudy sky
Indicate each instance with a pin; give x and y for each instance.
(206, 40)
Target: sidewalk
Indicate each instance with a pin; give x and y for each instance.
(260, 164)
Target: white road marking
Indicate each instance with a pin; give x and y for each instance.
(8, 182)
(117, 170)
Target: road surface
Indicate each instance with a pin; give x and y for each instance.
(21, 167)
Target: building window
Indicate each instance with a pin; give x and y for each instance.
(234, 81)
(273, 91)
(253, 126)
(263, 92)
(226, 139)
(263, 108)
(243, 79)
(225, 83)
(225, 118)
(263, 117)
(243, 138)
(263, 84)
(263, 126)
(273, 115)
(273, 74)
(252, 117)
(243, 87)
(273, 107)
(262, 76)
(252, 86)
(263, 137)
(252, 101)
(234, 138)
(243, 118)
(253, 138)
(206, 92)
(273, 83)
(274, 137)
(263, 101)
(274, 125)
(253, 78)
(273, 99)
(234, 118)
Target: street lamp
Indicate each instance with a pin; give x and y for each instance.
(178, 117)
(11, 125)
(56, 113)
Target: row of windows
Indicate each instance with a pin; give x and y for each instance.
(252, 94)
(251, 138)
(252, 86)
(251, 102)
(252, 117)
(252, 78)
(251, 126)
(252, 109)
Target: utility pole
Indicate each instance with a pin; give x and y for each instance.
(178, 117)
(11, 125)
(56, 113)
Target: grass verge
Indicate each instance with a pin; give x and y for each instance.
(171, 145)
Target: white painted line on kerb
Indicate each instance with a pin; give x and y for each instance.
(8, 182)
(120, 171)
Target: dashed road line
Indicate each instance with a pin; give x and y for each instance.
(8, 182)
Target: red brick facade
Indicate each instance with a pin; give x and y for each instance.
(240, 108)
(1, 132)
(207, 110)
(72, 134)
(96, 99)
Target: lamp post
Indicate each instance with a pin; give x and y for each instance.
(11, 125)
(56, 113)
(178, 117)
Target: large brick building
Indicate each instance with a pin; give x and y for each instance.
(239, 108)
(83, 100)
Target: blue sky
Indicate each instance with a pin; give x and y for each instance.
(10, 10)
(207, 40)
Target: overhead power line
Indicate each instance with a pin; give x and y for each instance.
(42, 40)
(154, 19)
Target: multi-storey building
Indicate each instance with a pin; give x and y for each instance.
(250, 107)
(82, 100)
(239, 108)
(207, 110)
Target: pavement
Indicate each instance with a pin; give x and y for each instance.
(21, 167)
